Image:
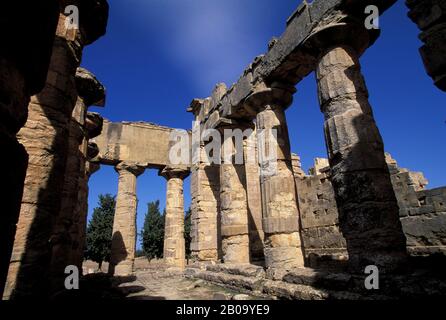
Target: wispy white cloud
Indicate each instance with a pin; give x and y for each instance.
(210, 40)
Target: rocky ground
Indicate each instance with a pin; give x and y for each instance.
(152, 281)
(424, 278)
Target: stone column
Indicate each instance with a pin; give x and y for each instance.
(283, 248)
(233, 206)
(24, 59)
(89, 165)
(254, 198)
(430, 17)
(174, 243)
(45, 137)
(78, 230)
(368, 210)
(124, 224)
(90, 92)
(205, 230)
(205, 196)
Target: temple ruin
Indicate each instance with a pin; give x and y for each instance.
(291, 234)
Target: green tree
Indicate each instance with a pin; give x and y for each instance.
(152, 234)
(187, 229)
(100, 230)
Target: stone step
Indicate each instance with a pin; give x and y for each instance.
(319, 279)
(275, 289)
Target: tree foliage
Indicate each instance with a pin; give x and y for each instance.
(100, 230)
(152, 234)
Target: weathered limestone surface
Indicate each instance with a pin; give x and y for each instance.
(79, 226)
(122, 142)
(320, 166)
(205, 202)
(233, 206)
(174, 253)
(421, 211)
(319, 215)
(280, 212)
(368, 210)
(124, 224)
(24, 58)
(45, 137)
(82, 127)
(254, 198)
(205, 233)
(92, 127)
(430, 17)
(297, 166)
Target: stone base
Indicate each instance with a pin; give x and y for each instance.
(420, 281)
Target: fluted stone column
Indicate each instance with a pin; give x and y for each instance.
(79, 228)
(205, 197)
(90, 92)
(368, 210)
(88, 150)
(24, 58)
(234, 207)
(254, 198)
(124, 224)
(46, 139)
(283, 248)
(174, 243)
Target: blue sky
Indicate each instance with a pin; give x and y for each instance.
(158, 55)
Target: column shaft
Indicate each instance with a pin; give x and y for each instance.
(78, 230)
(254, 198)
(45, 137)
(174, 243)
(24, 58)
(368, 211)
(124, 223)
(280, 213)
(234, 208)
(61, 240)
(205, 229)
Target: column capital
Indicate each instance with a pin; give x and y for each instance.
(169, 172)
(340, 29)
(227, 123)
(92, 150)
(89, 88)
(264, 95)
(131, 167)
(93, 124)
(93, 24)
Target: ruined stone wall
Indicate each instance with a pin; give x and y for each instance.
(422, 212)
(319, 216)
